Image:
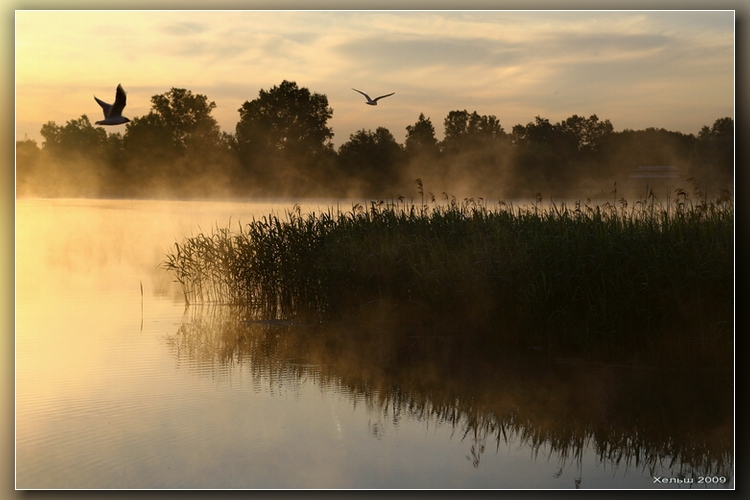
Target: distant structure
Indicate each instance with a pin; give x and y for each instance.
(655, 172)
(372, 102)
(113, 112)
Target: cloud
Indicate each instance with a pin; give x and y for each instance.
(515, 65)
(416, 53)
(185, 28)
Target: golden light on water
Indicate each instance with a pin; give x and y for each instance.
(112, 384)
(85, 279)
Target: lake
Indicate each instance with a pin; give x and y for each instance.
(121, 385)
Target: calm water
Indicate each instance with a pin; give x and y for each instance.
(119, 385)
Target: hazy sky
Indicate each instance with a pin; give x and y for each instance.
(639, 69)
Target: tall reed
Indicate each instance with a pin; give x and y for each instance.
(613, 278)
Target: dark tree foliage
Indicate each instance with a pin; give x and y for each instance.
(373, 159)
(589, 133)
(177, 144)
(473, 152)
(542, 132)
(77, 137)
(75, 160)
(560, 154)
(148, 140)
(714, 152)
(28, 157)
(423, 154)
(282, 146)
(283, 134)
(464, 131)
(623, 152)
(420, 138)
(187, 118)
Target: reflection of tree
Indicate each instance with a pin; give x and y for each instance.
(640, 418)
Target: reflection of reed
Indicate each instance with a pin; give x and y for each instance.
(214, 338)
(629, 418)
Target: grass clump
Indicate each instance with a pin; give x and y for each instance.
(617, 279)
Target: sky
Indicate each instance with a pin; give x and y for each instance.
(638, 69)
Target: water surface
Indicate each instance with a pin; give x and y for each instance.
(120, 385)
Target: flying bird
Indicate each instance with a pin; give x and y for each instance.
(113, 112)
(372, 102)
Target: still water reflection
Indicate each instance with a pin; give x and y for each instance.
(118, 388)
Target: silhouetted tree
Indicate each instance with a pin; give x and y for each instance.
(474, 153)
(423, 153)
(373, 159)
(77, 137)
(283, 136)
(589, 135)
(75, 159)
(465, 131)
(713, 156)
(420, 138)
(28, 157)
(622, 153)
(282, 139)
(588, 132)
(187, 118)
(115, 158)
(544, 153)
(178, 147)
(630, 149)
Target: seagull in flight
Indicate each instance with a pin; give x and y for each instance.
(372, 102)
(113, 112)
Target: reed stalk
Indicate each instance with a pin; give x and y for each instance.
(617, 278)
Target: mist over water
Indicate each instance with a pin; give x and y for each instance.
(127, 379)
(282, 147)
(122, 389)
(463, 179)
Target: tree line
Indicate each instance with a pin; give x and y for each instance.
(282, 146)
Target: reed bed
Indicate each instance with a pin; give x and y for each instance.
(619, 278)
